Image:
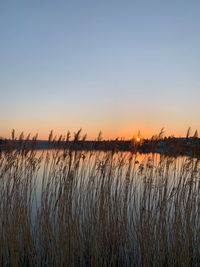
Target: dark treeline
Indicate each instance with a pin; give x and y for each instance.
(167, 145)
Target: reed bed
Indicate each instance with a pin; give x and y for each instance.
(76, 208)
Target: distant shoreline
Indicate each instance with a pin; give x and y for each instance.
(171, 145)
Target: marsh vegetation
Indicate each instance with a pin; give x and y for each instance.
(62, 207)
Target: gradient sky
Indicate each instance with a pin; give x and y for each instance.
(115, 66)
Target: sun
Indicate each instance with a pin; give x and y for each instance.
(138, 139)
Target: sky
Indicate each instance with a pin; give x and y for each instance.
(112, 65)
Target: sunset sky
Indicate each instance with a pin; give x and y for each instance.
(115, 66)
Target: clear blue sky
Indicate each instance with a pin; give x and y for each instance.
(118, 66)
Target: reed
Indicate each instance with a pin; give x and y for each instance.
(76, 208)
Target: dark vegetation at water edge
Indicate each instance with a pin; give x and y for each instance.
(66, 207)
(157, 144)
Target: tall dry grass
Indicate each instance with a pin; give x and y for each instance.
(76, 208)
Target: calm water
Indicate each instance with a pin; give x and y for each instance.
(48, 173)
(91, 168)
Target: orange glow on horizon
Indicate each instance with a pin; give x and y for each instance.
(92, 134)
(109, 132)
